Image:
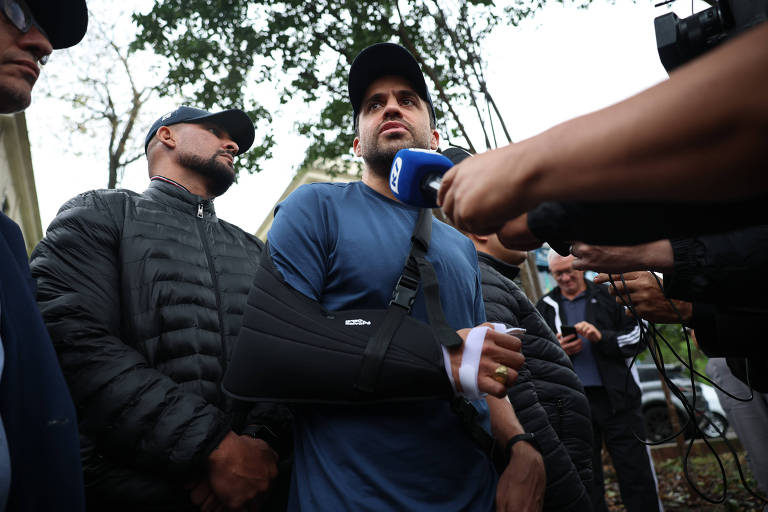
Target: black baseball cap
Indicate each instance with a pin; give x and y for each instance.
(234, 121)
(64, 21)
(383, 59)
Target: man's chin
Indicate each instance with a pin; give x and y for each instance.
(14, 99)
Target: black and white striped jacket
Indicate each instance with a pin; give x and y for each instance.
(621, 340)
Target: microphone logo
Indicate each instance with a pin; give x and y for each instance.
(394, 175)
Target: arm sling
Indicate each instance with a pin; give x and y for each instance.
(290, 349)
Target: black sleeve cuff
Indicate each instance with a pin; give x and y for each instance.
(268, 435)
(686, 275)
(546, 220)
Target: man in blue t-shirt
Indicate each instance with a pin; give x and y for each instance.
(344, 245)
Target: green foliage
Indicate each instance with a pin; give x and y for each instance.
(217, 48)
(670, 337)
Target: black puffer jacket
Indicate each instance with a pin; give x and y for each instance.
(548, 397)
(143, 296)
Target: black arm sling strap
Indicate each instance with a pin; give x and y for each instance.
(288, 346)
(403, 296)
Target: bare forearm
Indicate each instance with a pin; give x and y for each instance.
(698, 136)
(504, 422)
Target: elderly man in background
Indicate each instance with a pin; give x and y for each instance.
(604, 341)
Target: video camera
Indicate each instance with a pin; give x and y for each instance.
(680, 40)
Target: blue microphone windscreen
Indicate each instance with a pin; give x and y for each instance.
(410, 170)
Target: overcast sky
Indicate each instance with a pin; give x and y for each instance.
(562, 63)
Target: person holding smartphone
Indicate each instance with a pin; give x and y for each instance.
(600, 340)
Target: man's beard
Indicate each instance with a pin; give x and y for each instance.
(13, 99)
(217, 175)
(378, 158)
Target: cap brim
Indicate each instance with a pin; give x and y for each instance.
(236, 123)
(380, 60)
(64, 21)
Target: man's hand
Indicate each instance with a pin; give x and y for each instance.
(656, 256)
(572, 344)
(647, 298)
(498, 349)
(522, 484)
(516, 235)
(484, 191)
(589, 331)
(240, 469)
(201, 495)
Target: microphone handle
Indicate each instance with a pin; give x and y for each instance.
(433, 183)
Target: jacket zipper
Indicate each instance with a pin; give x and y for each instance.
(559, 406)
(217, 292)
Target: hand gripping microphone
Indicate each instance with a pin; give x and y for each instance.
(416, 174)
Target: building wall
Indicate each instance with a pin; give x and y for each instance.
(18, 195)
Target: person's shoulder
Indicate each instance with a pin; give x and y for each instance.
(547, 299)
(312, 193)
(489, 275)
(99, 199)
(454, 235)
(325, 188)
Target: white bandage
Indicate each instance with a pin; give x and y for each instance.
(470, 361)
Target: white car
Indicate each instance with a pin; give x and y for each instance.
(709, 417)
(716, 412)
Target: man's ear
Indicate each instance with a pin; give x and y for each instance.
(434, 140)
(482, 239)
(166, 137)
(356, 148)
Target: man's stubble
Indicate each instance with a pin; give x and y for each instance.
(378, 157)
(217, 175)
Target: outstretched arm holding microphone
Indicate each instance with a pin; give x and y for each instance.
(699, 136)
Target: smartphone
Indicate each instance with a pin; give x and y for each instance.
(567, 330)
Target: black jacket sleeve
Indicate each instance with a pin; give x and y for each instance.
(730, 330)
(130, 410)
(621, 334)
(714, 268)
(547, 397)
(751, 371)
(629, 223)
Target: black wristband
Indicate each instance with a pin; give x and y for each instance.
(525, 436)
(267, 435)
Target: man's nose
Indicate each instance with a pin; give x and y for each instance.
(34, 42)
(392, 108)
(231, 145)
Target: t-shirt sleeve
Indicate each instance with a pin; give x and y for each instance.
(479, 304)
(298, 241)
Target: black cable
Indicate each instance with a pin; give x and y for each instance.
(690, 409)
(692, 369)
